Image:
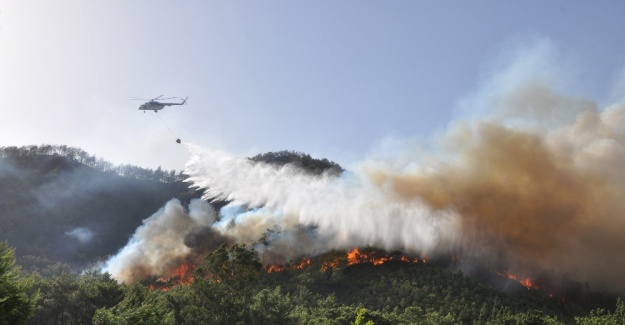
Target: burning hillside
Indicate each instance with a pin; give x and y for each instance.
(180, 276)
(185, 273)
(353, 257)
(536, 187)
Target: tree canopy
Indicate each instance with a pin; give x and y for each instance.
(300, 160)
(16, 305)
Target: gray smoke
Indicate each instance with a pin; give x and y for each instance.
(83, 235)
(160, 244)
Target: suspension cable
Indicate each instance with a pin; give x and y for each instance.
(170, 131)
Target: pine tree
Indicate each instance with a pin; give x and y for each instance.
(15, 304)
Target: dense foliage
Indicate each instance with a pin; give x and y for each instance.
(15, 305)
(231, 287)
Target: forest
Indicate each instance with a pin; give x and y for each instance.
(62, 211)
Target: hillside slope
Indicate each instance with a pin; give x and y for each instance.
(60, 204)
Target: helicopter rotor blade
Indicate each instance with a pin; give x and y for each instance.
(156, 98)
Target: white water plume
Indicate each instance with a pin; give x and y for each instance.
(346, 211)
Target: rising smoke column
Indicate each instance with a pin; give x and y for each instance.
(539, 182)
(555, 200)
(171, 236)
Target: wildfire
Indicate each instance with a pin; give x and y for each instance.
(355, 256)
(302, 264)
(329, 264)
(375, 258)
(181, 275)
(293, 266)
(526, 282)
(275, 268)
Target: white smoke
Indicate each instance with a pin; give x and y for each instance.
(83, 235)
(158, 246)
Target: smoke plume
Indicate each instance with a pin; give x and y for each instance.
(82, 234)
(536, 185)
(168, 238)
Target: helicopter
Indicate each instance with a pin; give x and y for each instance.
(154, 105)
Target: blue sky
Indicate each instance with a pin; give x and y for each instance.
(330, 78)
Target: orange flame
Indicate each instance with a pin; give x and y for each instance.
(353, 257)
(181, 275)
(526, 282)
(358, 257)
(275, 268)
(295, 266)
(302, 264)
(329, 264)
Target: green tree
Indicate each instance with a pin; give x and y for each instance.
(15, 304)
(55, 304)
(235, 266)
(139, 306)
(205, 301)
(602, 317)
(360, 318)
(72, 299)
(223, 289)
(271, 307)
(95, 291)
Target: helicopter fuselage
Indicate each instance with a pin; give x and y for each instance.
(154, 105)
